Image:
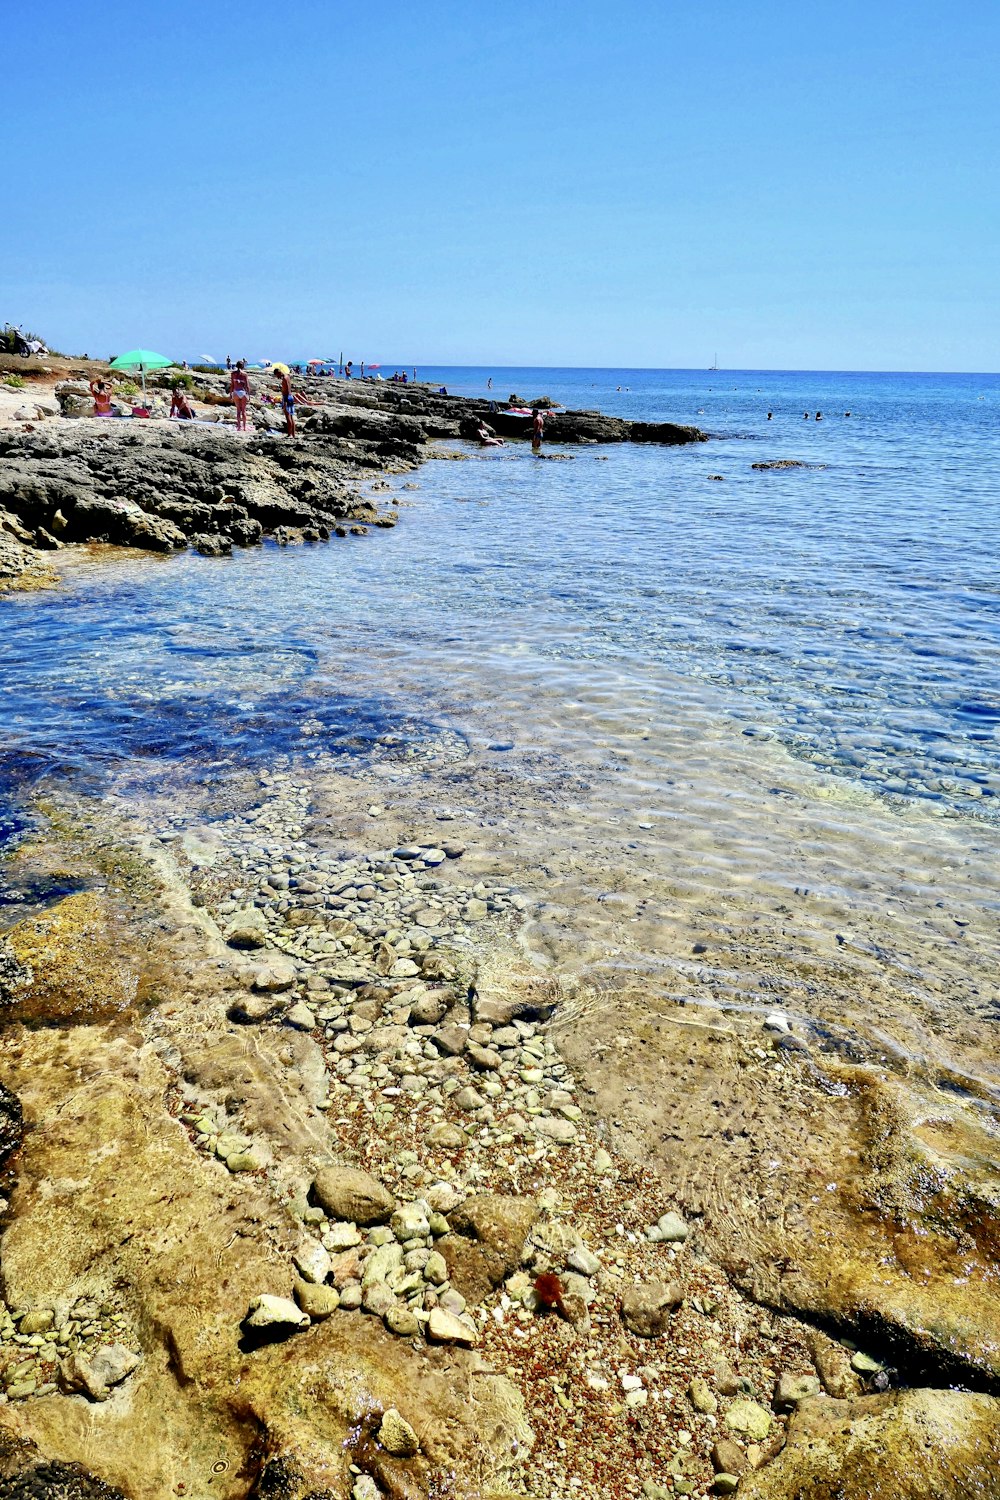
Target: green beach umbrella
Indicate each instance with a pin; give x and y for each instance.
(141, 360)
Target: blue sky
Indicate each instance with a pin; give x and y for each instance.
(789, 185)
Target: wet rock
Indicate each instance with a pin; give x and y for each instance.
(646, 1308)
(403, 1322)
(40, 1320)
(275, 1313)
(702, 1397)
(673, 1229)
(313, 1262)
(447, 1136)
(748, 1418)
(95, 1377)
(444, 1328)
(317, 1301)
(791, 1389)
(451, 1040)
(912, 1445)
(397, 1436)
(562, 1132)
(246, 929)
(274, 977)
(409, 1221)
(351, 1194)
(728, 1457)
(300, 1017)
(252, 1010)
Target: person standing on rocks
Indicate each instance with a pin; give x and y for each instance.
(288, 403)
(239, 389)
(537, 427)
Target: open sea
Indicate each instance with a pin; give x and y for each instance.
(783, 677)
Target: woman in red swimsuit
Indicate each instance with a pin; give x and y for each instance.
(102, 399)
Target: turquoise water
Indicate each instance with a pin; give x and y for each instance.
(849, 609)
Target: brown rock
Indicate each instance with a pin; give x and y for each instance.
(912, 1445)
(353, 1195)
(646, 1308)
(316, 1300)
(728, 1457)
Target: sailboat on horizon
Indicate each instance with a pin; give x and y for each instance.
(715, 362)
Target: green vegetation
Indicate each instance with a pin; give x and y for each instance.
(16, 382)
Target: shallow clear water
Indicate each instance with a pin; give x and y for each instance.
(850, 608)
(758, 713)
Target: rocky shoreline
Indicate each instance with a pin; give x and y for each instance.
(317, 1184)
(304, 1169)
(66, 477)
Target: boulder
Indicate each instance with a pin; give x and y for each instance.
(351, 1194)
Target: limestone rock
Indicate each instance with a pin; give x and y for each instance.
(312, 1261)
(267, 1311)
(791, 1389)
(646, 1308)
(912, 1445)
(701, 1396)
(246, 929)
(728, 1457)
(397, 1436)
(318, 1301)
(277, 975)
(351, 1194)
(443, 1328)
(488, 1238)
(748, 1418)
(95, 1377)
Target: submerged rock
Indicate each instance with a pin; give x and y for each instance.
(646, 1308)
(353, 1195)
(912, 1445)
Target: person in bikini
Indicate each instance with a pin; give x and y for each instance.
(102, 398)
(239, 389)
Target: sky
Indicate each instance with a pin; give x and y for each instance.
(636, 183)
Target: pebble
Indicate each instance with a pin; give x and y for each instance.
(444, 1328)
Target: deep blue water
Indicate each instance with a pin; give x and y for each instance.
(850, 608)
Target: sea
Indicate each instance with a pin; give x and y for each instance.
(759, 680)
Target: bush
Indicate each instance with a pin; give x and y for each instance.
(16, 382)
(165, 380)
(128, 388)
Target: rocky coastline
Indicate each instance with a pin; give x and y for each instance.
(68, 478)
(315, 1185)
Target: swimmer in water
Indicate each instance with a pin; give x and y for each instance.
(769, 415)
(819, 416)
